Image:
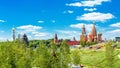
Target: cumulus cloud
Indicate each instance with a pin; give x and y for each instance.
(39, 34)
(67, 31)
(88, 3)
(90, 9)
(115, 24)
(33, 32)
(80, 25)
(95, 16)
(32, 27)
(69, 11)
(28, 28)
(2, 21)
(40, 21)
(111, 34)
(68, 34)
(114, 31)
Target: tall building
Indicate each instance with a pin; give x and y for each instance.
(83, 30)
(99, 37)
(83, 37)
(13, 33)
(55, 38)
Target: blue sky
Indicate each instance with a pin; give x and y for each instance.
(41, 19)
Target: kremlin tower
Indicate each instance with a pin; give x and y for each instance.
(55, 38)
(99, 37)
(83, 37)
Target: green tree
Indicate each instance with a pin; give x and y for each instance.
(75, 56)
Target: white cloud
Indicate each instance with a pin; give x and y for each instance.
(78, 4)
(29, 27)
(40, 21)
(96, 16)
(114, 31)
(111, 34)
(2, 21)
(66, 31)
(2, 39)
(68, 34)
(39, 34)
(33, 32)
(69, 11)
(90, 9)
(88, 3)
(80, 25)
(115, 25)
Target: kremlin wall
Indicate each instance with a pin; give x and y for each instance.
(91, 37)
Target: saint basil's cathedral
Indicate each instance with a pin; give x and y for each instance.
(91, 37)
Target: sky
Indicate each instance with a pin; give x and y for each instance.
(41, 19)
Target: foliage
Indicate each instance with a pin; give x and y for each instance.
(17, 55)
(75, 56)
(83, 43)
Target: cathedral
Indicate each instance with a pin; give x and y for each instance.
(92, 36)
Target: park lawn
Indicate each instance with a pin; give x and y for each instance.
(97, 58)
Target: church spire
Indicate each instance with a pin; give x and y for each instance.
(83, 30)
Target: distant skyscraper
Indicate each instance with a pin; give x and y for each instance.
(13, 33)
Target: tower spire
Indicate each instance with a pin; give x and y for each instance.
(83, 29)
(55, 38)
(13, 33)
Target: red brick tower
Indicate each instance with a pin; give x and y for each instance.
(55, 38)
(99, 37)
(83, 30)
(83, 37)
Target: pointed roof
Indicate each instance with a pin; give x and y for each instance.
(74, 39)
(83, 29)
(94, 32)
(56, 37)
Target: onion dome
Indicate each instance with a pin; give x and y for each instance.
(90, 34)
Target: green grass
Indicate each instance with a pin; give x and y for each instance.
(118, 45)
(98, 59)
